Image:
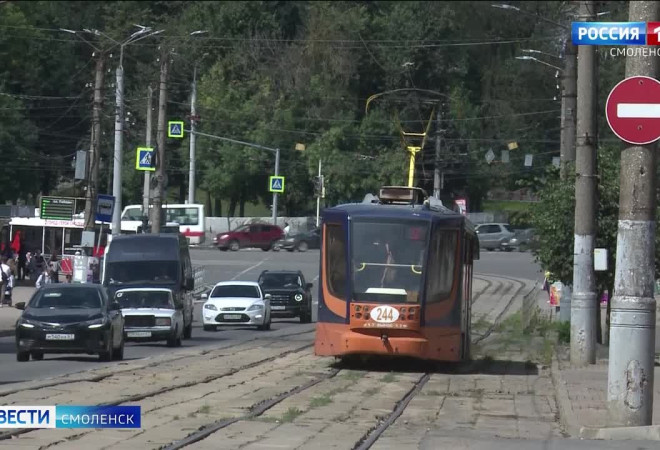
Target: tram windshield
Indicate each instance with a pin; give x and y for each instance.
(387, 260)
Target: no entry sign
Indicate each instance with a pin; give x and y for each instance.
(633, 110)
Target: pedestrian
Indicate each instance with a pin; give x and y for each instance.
(5, 282)
(287, 228)
(22, 265)
(43, 279)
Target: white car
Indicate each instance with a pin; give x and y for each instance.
(236, 303)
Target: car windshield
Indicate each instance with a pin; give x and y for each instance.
(388, 260)
(136, 271)
(235, 290)
(144, 299)
(280, 281)
(67, 298)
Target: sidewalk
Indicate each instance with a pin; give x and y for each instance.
(582, 399)
(9, 314)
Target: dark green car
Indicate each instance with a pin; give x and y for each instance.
(300, 241)
(290, 295)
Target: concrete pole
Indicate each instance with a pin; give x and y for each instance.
(436, 174)
(568, 108)
(318, 197)
(632, 318)
(193, 138)
(95, 147)
(156, 211)
(584, 302)
(277, 172)
(119, 135)
(147, 174)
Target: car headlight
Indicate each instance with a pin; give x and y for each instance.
(256, 307)
(289, 240)
(224, 236)
(298, 297)
(98, 323)
(26, 324)
(210, 307)
(163, 321)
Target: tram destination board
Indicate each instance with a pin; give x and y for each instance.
(57, 208)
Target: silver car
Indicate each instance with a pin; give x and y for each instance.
(495, 236)
(151, 314)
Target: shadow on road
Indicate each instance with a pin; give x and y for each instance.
(480, 366)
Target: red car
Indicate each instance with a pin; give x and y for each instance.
(261, 236)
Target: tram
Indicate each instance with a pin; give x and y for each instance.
(396, 278)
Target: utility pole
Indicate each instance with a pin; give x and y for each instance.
(319, 194)
(632, 320)
(568, 107)
(147, 174)
(277, 172)
(437, 172)
(584, 301)
(119, 136)
(156, 212)
(95, 147)
(193, 138)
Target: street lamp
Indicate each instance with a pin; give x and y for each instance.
(142, 33)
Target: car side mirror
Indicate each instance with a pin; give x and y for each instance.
(267, 297)
(20, 305)
(309, 285)
(115, 306)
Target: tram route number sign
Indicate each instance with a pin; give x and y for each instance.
(57, 208)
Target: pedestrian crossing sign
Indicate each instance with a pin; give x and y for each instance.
(175, 129)
(276, 184)
(145, 159)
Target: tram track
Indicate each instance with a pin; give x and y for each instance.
(166, 389)
(501, 314)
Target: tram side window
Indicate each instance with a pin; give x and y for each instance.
(335, 251)
(442, 260)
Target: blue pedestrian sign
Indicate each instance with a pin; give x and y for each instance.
(175, 129)
(144, 159)
(105, 206)
(276, 184)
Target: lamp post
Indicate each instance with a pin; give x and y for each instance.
(193, 120)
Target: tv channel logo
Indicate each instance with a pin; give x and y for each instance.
(609, 33)
(70, 416)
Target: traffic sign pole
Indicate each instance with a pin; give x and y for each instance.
(277, 173)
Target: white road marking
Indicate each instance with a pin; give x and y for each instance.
(250, 268)
(315, 278)
(638, 110)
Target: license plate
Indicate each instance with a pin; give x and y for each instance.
(278, 308)
(232, 317)
(60, 337)
(138, 334)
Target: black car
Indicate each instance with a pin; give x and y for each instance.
(70, 318)
(290, 295)
(300, 241)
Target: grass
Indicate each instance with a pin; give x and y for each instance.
(389, 378)
(371, 391)
(353, 375)
(176, 417)
(204, 409)
(291, 414)
(320, 400)
(481, 325)
(433, 392)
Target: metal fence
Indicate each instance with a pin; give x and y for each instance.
(200, 286)
(530, 309)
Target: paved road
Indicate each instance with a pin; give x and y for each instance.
(221, 266)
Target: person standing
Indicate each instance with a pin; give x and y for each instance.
(5, 272)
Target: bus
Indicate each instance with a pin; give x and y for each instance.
(190, 218)
(396, 278)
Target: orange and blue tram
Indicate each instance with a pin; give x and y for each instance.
(396, 278)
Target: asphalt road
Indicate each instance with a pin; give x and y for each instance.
(244, 265)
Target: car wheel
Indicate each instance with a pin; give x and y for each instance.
(302, 246)
(172, 340)
(222, 249)
(22, 356)
(187, 331)
(118, 353)
(234, 246)
(106, 355)
(210, 328)
(37, 356)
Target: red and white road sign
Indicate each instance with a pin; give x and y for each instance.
(633, 110)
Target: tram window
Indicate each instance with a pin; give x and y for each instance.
(440, 278)
(336, 260)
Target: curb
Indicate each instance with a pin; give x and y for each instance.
(644, 433)
(567, 416)
(6, 333)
